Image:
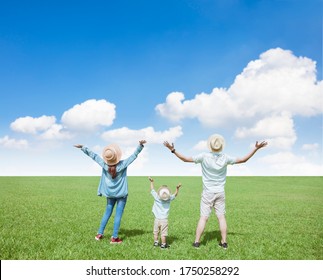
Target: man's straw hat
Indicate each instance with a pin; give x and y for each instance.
(215, 143)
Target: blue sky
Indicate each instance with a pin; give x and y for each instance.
(95, 72)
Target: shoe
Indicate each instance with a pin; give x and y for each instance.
(156, 244)
(196, 245)
(223, 245)
(116, 240)
(98, 237)
(164, 246)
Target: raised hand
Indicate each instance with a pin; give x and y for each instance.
(260, 145)
(169, 146)
(79, 146)
(142, 142)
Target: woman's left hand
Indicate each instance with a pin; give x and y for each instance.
(142, 142)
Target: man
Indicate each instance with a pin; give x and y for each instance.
(214, 170)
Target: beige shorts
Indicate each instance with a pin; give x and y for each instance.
(210, 201)
(161, 225)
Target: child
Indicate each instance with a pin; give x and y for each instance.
(161, 210)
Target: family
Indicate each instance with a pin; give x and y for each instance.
(114, 186)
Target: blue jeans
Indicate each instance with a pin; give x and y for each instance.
(121, 203)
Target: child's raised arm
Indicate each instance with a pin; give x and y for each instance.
(151, 183)
(177, 189)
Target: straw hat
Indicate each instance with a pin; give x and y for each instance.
(111, 154)
(215, 143)
(164, 193)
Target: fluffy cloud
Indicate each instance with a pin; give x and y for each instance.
(89, 115)
(45, 127)
(310, 147)
(128, 136)
(210, 109)
(201, 146)
(56, 131)
(262, 101)
(86, 116)
(276, 82)
(289, 164)
(12, 143)
(279, 81)
(32, 125)
(277, 130)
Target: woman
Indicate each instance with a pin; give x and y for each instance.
(214, 171)
(113, 184)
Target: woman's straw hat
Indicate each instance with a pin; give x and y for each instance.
(111, 154)
(215, 143)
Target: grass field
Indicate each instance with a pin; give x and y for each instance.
(56, 218)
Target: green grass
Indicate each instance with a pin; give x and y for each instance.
(56, 218)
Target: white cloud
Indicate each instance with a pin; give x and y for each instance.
(269, 127)
(277, 130)
(45, 126)
(173, 108)
(89, 115)
(12, 143)
(32, 125)
(56, 131)
(262, 102)
(288, 164)
(310, 147)
(210, 109)
(128, 136)
(276, 82)
(201, 146)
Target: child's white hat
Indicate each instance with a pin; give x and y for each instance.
(164, 193)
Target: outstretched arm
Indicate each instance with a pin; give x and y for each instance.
(142, 142)
(92, 155)
(255, 149)
(177, 189)
(151, 183)
(180, 156)
(126, 162)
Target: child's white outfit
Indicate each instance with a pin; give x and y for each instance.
(161, 210)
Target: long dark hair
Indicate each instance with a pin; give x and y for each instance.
(113, 171)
